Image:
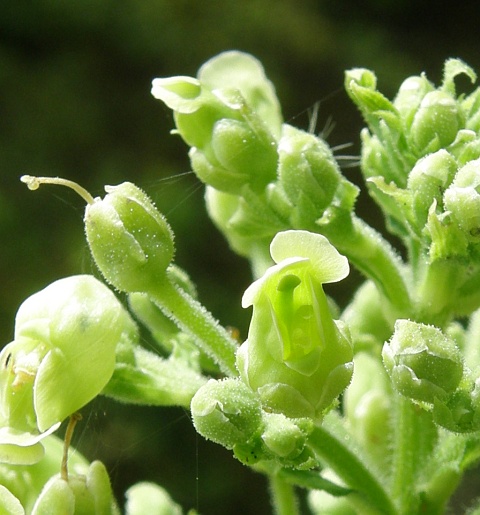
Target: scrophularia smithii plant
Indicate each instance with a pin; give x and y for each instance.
(371, 410)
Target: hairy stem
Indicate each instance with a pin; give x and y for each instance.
(194, 319)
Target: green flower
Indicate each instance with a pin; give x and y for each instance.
(296, 356)
(62, 356)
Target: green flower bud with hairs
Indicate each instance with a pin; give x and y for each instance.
(130, 240)
(423, 363)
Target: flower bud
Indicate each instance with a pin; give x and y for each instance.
(423, 363)
(284, 437)
(437, 121)
(236, 156)
(27, 481)
(249, 226)
(410, 95)
(226, 412)
(427, 181)
(62, 356)
(144, 497)
(460, 413)
(231, 118)
(131, 242)
(308, 173)
(296, 357)
(462, 199)
(82, 494)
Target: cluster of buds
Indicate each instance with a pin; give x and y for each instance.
(262, 175)
(39, 488)
(421, 159)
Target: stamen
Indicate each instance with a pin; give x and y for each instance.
(66, 444)
(33, 183)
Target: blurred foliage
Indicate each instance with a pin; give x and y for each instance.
(75, 102)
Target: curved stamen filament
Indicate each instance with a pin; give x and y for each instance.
(33, 183)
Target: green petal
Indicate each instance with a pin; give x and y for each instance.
(9, 503)
(330, 265)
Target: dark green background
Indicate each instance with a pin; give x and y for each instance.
(75, 102)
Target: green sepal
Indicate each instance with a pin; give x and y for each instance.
(148, 379)
(313, 480)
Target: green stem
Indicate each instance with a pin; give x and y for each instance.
(403, 466)
(414, 439)
(194, 319)
(374, 257)
(332, 451)
(283, 496)
(435, 292)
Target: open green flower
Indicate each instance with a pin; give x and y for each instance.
(296, 356)
(62, 356)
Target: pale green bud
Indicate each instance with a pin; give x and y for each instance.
(148, 498)
(423, 363)
(226, 412)
(308, 173)
(427, 182)
(368, 406)
(296, 357)
(460, 412)
(437, 121)
(89, 494)
(462, 199)
(26, 482)
(283, 437)
(410, 95)
(131, 242)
